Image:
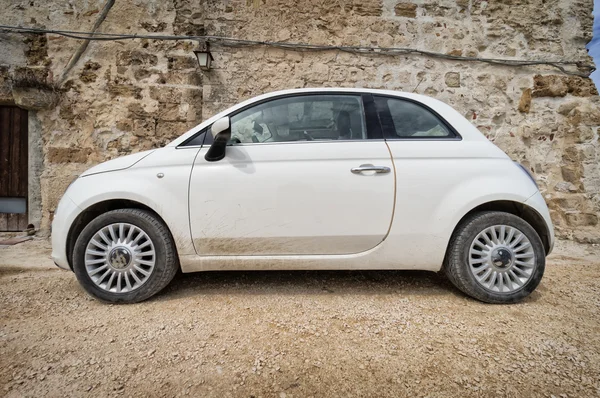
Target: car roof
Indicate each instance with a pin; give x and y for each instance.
(459, 122)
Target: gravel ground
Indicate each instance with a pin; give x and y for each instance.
(299, 334)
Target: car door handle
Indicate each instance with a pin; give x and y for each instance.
(370, 167)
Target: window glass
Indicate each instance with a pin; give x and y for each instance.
(301, 118)
(204, 138)
(411, 120)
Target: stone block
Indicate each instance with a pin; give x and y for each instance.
(584, 134)
(571, 174)
(294, 56)
(170, 130)
(587, 236)
(456, 52)
(137, 111)
(581, 86)
(565, 186)
(367, 8)
(318, 72)
(438, 10)
(182, 62)
(183, 77)
(560, 86)
(88, 74)
(124, 90)
(30, 77)
(136, 58)
(567, 203)
(566, 108)
(525, 102)
(338, 74)
(6, 96)
(125, 125)
(549, 86)
(37, 49)
(408, 10)
(141, 73)
(194, 96)
(68, 154)
(452, 79)
(273, 53)
(166, 94)
(572, 154)
(579, 219)
(170, 112)
(144, 127)
(35, 98)
(154, 27)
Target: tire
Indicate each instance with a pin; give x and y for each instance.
(140, 269)
(463, 263)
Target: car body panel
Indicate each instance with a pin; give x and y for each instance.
(537, 203)
(292, 198)
(65, 214)
(124, 162)
(167, 196)
(445, 189)
(433, 184)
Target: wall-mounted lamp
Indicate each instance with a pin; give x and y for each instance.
(204, 56)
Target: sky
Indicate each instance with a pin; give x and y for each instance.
(594, 45)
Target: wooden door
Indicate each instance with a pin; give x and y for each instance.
(13, 168)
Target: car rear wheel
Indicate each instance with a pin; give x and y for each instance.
(495, 257)
(125, 256)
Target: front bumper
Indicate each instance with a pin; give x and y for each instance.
(538, 203)
(65, 214)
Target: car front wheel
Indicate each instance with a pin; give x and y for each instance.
(125, 256)
(495, 257)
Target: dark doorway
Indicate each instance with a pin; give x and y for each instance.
(13, 168)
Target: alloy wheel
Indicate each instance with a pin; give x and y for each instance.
(120, 258)
(501, 258)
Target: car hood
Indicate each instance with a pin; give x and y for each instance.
(124, 162)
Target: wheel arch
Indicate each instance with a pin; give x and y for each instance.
(527, 213)
(93, 211)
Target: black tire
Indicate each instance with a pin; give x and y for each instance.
(166, 264)
(456, 263)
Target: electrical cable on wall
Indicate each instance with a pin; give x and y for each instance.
(229, 41)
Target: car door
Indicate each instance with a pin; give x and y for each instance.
(301, 176)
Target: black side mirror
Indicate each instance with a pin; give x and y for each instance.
(221, 132)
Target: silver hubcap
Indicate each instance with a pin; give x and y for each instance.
(120, 258)
(501, 258)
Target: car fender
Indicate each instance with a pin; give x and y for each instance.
(472, 193)
(160, 184)
(433, 197)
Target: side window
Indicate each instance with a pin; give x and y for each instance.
(405, 119)
(301, 118)
(204, 138)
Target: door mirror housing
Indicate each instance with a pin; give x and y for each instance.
(221, 132)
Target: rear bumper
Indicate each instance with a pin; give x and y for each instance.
(65, 214)
(538, 203)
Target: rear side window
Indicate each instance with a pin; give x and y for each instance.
(406, 119)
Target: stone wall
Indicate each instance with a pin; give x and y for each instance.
(128, 96)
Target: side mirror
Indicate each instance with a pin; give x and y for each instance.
(221, 133)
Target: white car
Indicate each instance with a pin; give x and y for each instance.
(310, 179)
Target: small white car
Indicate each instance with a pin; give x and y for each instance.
(310, 179)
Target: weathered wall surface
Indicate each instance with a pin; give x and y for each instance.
(128, 96)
